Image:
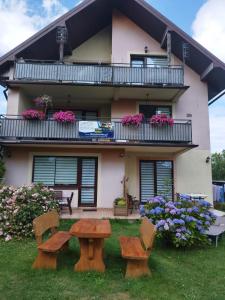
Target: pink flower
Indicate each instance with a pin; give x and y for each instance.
(161, 120)
(8, 238)
(33, 114)
(64, 117)
(134, 120)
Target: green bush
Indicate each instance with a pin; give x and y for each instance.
(19, 206)
(219, 205)
(2, 170)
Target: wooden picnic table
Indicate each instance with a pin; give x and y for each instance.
(91, 234)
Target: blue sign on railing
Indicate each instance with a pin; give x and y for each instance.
(96, 129)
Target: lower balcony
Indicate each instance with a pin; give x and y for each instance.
(18, 130)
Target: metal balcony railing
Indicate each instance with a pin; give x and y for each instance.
(16, 128)
(113, 74)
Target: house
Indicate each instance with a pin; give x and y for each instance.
(103, 60)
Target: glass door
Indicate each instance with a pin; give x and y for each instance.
(87, 185)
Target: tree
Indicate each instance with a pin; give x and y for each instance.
(218, 166)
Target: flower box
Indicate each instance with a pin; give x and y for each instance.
(64, 117)
(120, 209)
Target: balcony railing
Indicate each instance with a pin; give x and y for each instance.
(117, 74)
(19, 129)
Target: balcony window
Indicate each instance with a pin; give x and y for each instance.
(149, 61)
(150, 110)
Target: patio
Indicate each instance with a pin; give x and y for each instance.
(100, 213)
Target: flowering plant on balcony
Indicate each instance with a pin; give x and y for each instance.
(43, 101)
(182, 223)
(132, 120)
(161, 120)
(33, 114)
(64, 117)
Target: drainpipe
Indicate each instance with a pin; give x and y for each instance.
(5, 93)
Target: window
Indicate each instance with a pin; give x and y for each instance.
(55, 170)
(149, 61)
(149, 110)
(156, 178)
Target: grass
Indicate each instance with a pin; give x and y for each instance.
(177, 274)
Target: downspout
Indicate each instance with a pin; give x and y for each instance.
(5, 93)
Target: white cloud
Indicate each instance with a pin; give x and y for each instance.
(209, 30)
(20, 21)
(209, 27)
(217, 128)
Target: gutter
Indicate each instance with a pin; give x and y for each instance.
(211, 101)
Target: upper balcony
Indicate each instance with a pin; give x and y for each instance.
(99, 74)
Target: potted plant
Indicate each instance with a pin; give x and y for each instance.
(120, 207)
(33, 114)
(64, 117)
(161, 120)
(132, 120)
(43, 102)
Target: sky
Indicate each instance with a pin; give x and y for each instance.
(204, 20)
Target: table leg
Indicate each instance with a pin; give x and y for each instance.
(91, 255)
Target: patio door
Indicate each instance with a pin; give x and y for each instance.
(87, 181)
(156, 178)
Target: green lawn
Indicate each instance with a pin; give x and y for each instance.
(177, 274)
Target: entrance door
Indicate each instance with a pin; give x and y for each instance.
(87, 182)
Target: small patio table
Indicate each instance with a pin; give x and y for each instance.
(91, 234)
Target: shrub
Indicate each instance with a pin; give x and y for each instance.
(121, 202)
(219, 205)
(33, 114)
(19, 206)
(64, 117)
(2, 169)
(181, 223)
(132, 120)
(161, 120)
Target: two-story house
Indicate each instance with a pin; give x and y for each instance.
(103, 60)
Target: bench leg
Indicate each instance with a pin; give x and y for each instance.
(137, 268)
(45, 260)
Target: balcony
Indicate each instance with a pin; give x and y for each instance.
(108, 75)
(18, 130)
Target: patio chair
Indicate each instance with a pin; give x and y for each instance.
(217, 229)
(47, 250)
(133, 203)
(137, 250)
(64, 201)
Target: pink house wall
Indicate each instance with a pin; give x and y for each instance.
(111, 169)
(122, 107)
(128, 38)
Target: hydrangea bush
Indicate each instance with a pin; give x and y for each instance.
(19, 206)
(181, 223)
(64, 117)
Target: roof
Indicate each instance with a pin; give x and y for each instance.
(91, 16)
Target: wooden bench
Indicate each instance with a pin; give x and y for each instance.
(47, 250)
(137, 250)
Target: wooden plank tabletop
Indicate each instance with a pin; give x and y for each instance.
(91, 228)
